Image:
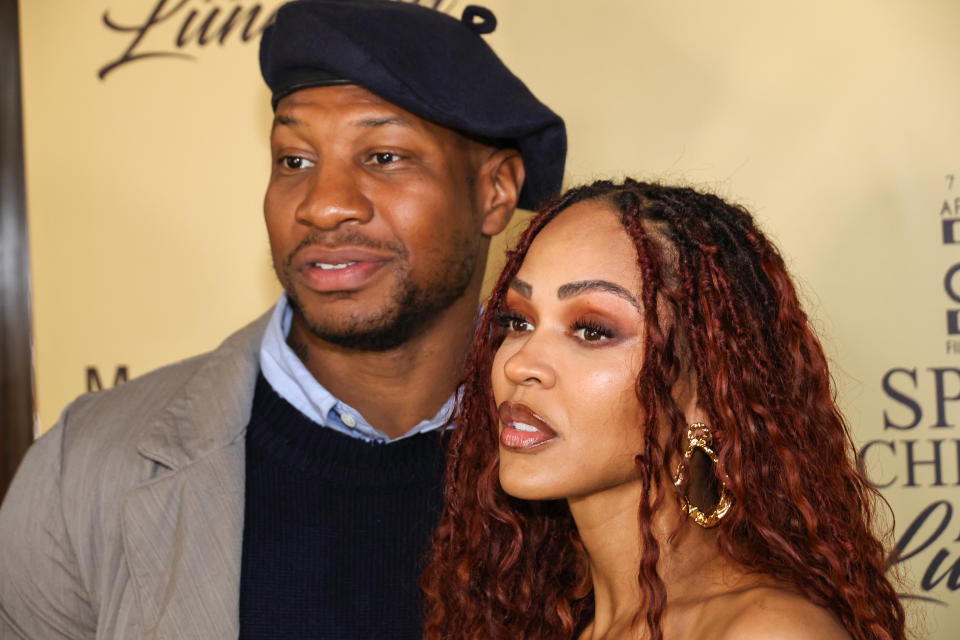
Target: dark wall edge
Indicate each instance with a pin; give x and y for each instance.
(16, 367)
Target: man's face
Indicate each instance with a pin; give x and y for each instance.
(371, 214)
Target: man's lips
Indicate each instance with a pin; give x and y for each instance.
(522, 428)
(337, 269)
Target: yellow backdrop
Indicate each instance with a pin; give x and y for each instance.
(836, 122)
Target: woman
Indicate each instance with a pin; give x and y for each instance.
(648, 445)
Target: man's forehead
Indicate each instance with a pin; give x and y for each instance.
(356, 108)
(351, 92)
(360, 106)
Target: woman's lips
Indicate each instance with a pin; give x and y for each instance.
(522, 428)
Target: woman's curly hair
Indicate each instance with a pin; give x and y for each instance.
(717, 300)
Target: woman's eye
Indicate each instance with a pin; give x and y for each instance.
(519, 324)
(382, 158)
(514, 323)
(295, 163)
(589, 332)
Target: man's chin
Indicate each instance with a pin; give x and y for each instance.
(369, 336)
(352, 328)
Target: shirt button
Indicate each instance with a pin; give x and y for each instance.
(348, 419)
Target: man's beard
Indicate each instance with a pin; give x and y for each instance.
(411, 310)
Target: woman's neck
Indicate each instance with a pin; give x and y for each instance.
(689, 563)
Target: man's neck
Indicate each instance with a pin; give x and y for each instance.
(397, 389)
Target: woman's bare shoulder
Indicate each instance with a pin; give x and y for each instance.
(773, 613)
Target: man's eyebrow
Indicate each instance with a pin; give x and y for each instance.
(521, 287)
(384, 121)
(576, 288)
(285, 120)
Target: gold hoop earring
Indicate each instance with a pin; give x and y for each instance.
(700, 437)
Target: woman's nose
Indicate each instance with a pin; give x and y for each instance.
(530, 365)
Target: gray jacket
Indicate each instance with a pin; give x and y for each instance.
(125, 520)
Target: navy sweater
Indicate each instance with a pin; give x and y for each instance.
(335, 528)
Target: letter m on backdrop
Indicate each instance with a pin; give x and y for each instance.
(95, 384)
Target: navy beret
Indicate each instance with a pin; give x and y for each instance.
(424, 61)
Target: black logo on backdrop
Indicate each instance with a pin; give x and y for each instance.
(182, 28)
(950, 230)
(921, 414)
(94, 383)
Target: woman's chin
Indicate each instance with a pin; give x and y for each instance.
(527, 489)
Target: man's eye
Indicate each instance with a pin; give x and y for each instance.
(383, 158)
(295, 163)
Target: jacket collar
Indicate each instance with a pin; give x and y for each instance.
(212, 408)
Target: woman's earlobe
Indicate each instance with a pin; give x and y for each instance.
(685, 395)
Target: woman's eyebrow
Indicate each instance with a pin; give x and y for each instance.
(576, 288)
(521, 287)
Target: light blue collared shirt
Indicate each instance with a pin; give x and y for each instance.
(290, 378)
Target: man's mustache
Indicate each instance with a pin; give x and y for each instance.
(344, 238)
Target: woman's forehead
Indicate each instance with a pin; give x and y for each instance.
(584, 241)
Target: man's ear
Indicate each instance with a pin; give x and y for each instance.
(499, 182)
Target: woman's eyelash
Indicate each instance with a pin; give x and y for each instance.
(509, 319)
(592, 331)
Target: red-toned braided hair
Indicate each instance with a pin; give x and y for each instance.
(717, 298)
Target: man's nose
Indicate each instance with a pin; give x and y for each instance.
(334, 197)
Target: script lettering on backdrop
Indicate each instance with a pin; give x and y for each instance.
(920, 413)
(182, 28)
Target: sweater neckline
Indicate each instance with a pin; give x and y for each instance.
(294, 441)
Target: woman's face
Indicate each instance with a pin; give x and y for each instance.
(563, 379)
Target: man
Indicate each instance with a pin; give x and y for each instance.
(285, 484)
